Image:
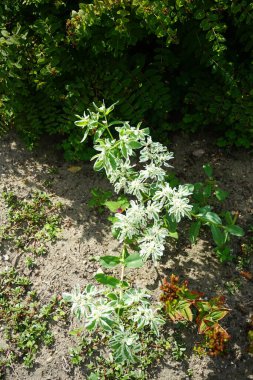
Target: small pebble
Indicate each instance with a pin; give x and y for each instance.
(198, 153)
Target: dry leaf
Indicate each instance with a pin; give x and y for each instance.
(74, 169)
(246, 275)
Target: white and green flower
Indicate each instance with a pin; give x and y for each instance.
(81, 301)
(101, 314)
(137, 188)
(152, 242)
(153, 210)
(125, 345)
(163, 194)
(150, 249)
(179, 207)
(152, 172)
(125, 227)
(145, 315)
(136, 214)
(135, 296)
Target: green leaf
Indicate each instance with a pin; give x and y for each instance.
(121, 204)
(112, 161)
(109, 261)
(218, 235)
(228, 218)
(112, 296)
(211, 217)
(112, 219)
(205, 25)
(221, 195)
(171, 224)
(93, 376)
(77, 331)
(218, 314)
(179, 3)
(116, 122)
(133, 261)
(107, 280)
(146, 130)
(82, 123)
(123, 150)
(208, 170)
(99, 133)
(135, 144)
(224, 254)
(18, 66)
(174, 235)
(207, 191)
(4, 33)
(235, 230)
(124, 284)
(98, 165)
(91, 325)
(106, 323)
(194, 231)
(179, 309)
(187, 313)
(204, 326)
(199, 14)
(204, 210)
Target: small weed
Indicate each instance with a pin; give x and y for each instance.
(250, 339)
(190, 372)
(25, 322)
(53, 170)
(233, 286)
(48, 183)
(177, 350)
(103, 200)
(30, 263)
(31, 223)
(98, 198)
(244, 259)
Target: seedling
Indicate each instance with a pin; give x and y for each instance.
(30, 262)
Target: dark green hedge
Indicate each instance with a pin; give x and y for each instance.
(183, 64)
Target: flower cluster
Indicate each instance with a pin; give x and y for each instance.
(136, 165)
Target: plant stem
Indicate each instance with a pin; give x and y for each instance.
(122, 266)
(107, 128)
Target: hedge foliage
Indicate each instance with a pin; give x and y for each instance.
(175, 64)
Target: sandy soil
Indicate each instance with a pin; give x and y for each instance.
(86, 235)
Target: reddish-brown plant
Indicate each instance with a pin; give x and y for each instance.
(181, 303)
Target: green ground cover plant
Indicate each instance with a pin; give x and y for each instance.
(25, 321)
(139, 169)
(175, 64)
(31, 223)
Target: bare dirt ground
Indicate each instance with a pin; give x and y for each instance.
(86, 235)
